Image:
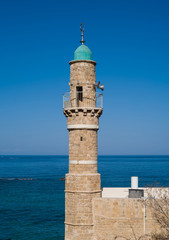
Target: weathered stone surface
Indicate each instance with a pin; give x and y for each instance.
(87, 215)
(82, 183)
(78, 232)
(122, 218)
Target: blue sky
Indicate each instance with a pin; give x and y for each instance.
(130, 43)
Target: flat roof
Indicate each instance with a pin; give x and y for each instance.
(123, 192)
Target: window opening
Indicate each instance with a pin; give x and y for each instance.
(79, 95)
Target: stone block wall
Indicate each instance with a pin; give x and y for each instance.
(82, 183)
(122, 219)
(85, 149)
(75, 232)
(82, 73)
(81, 117)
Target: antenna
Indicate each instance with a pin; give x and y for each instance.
(82, 30)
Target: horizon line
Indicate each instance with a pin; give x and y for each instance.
(167, 155)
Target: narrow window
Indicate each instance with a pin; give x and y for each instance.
(81, 139)
(79, 93)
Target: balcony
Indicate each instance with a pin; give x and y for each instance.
(82, 101)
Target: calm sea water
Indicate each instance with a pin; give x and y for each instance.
(34, 209)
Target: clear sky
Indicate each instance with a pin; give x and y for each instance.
(130, 43)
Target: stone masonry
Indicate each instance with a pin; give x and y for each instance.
(82, 182)
(88, 216)
(123, 219)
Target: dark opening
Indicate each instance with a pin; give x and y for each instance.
(81, 138)
(79, 93)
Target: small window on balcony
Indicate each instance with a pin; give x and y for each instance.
(79, 94)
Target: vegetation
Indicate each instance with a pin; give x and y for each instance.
(159, 203)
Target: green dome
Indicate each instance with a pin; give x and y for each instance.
(83, 53)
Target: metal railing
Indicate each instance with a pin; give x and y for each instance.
(80, 100)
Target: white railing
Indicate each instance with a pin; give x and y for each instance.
(82, 101)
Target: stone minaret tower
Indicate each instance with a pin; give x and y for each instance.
(82, 107)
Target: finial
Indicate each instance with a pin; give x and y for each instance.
(82, 30)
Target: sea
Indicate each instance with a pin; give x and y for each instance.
(32, 190)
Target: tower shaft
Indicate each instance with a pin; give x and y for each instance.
(82, 182)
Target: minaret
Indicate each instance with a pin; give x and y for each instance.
(82, 107)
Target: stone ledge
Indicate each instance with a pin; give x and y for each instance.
(75, 224)
(93, 111)
(87, 192)
(77, 61)
(85, 174)
(82, 126)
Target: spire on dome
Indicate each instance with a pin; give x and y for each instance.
(83, 52)
(82, 30)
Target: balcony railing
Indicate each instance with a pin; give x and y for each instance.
(82, 101)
